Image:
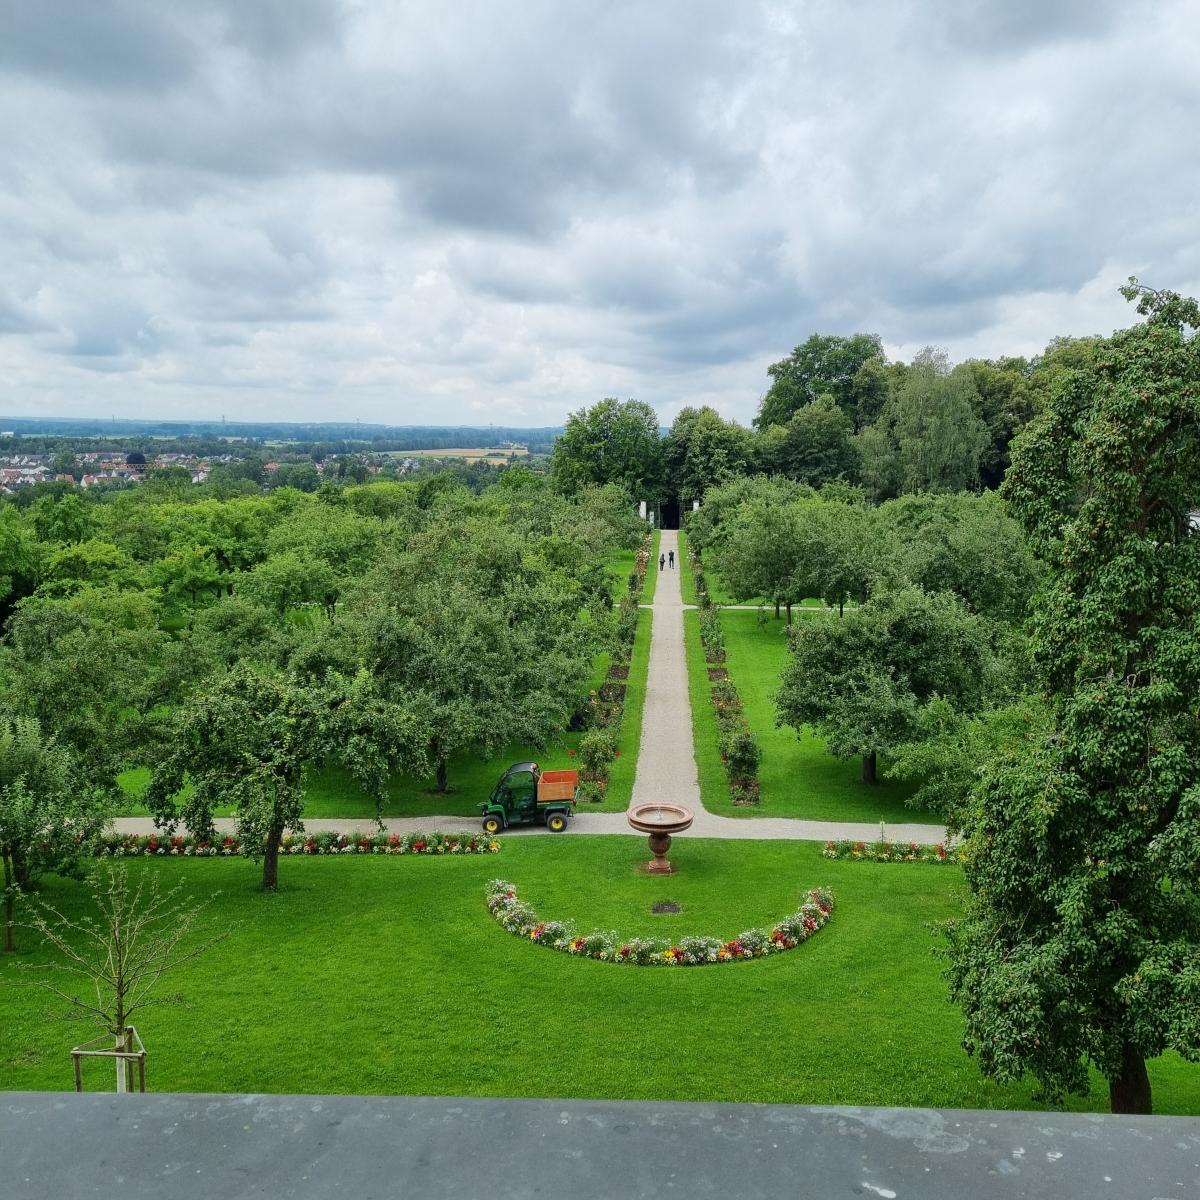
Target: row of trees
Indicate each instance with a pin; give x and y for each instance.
(236, 643)
(836, 410)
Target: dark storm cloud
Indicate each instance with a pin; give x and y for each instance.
(476, 209)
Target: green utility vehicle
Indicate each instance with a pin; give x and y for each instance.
(525, 795)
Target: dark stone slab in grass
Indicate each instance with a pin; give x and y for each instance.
(315, 1147)
(665, 906)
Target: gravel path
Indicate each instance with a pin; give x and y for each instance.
(666, 766)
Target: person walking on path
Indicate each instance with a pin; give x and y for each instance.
(662, 561)
(671, 558)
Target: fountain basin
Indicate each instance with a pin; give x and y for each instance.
(660, 821)
(660, 818)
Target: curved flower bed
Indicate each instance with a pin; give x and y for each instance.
(519, 919)
(120, 845)
(885, 851)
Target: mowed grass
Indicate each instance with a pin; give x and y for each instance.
(387, 976)
(798, 776)
(331, 792)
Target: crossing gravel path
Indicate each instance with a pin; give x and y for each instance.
(666, 766)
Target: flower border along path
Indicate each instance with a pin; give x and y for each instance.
(886, 851)
(187, 845)
(522, 921)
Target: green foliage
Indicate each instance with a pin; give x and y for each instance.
(965, 544)
(1082, 937)
(929, 437)
(49, 816)
(703, 450)
(597, 750)
(815, 447)
(87, 668)
(823, 364)
(862, 680)
(612, 442)
(246, 741)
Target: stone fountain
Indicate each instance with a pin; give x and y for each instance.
(660, 820)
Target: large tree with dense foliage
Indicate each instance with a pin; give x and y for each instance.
(815, 447)
(49, 815)
(703, 450)
(966, 544)
(862, 681)
(88, 668)
(929, 437)
(485, 636)
(824, 364)
(1081, 940)
(615, 441)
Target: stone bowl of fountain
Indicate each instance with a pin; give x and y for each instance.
(660, 820)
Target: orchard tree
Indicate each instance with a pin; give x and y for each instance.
(248, 739)
(861, 682)
(49, 815)
(1081, 941)
(88, 669)
(484, 638)
(20, 560)
(967, 544)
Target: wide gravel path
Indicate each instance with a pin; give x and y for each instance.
(666, 766)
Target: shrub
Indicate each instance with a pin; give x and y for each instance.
(741, 753)
(597, 749)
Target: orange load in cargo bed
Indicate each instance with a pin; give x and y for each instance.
(557, 785)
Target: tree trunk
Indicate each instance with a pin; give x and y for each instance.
(1129, 1092)
(868, 768)
(443, 769)
(271, 858)
(789, 611)
(9, 899)
(777, 610)
(841, 608)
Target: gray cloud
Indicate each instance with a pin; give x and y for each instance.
(412, 211)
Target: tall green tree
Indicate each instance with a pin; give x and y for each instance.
(1081, 940)
(824, 364)
(703, 450)
(967, 544)
(861, 682)
(246, 741)
(486, 638)
(815, 447)
(615, 441)
(49, 815)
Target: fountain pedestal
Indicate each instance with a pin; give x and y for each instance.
(660, 821)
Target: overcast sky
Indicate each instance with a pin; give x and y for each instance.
(480, 211)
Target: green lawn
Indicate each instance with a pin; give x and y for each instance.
(333, 793)
(652, 569)
(799, 778)
(387, 976)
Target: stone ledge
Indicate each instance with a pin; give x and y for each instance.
(213, 1147)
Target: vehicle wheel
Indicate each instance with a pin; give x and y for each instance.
(492, 825)
(556, 822)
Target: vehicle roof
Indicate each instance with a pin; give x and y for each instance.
(525, 766)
